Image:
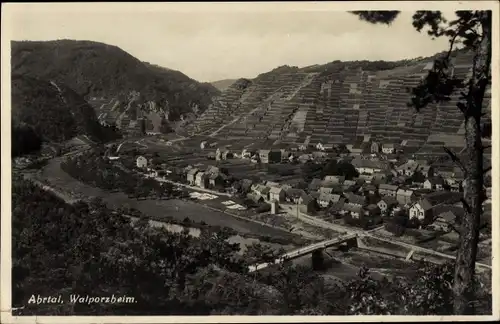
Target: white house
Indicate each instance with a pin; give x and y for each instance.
(407, 169)
(325, 199)
(387, 203)
(388, 148)
(201, 180)
(246, 154)
(354, 210)
(405, 196)
(141, 162)
(387, 190)
(436, 183)
(421, 210)
(276, 194)
(320, 146)
(369, 166)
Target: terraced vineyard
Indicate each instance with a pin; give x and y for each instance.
(337, 106)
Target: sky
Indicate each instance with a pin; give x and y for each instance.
(210, 45)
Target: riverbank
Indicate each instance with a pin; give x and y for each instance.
(161, 209)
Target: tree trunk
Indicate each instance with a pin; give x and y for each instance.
(467, 250)
(463, 286)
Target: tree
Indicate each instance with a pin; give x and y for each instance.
(418, 177)
(472, 30)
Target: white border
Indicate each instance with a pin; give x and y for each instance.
(5, 264)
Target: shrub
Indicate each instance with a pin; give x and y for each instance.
(263, 208)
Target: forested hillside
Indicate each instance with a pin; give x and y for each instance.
(50, 112)
(86, 249)
(120, 87)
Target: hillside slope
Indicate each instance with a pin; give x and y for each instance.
(337, 103)
(55, 112)
(223, 84)
(122, 89)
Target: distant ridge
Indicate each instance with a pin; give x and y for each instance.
(223, 84)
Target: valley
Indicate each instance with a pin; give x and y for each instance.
(311, 190)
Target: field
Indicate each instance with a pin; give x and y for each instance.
(178, 209)
(188, 152)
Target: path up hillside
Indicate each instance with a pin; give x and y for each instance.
(338, 103)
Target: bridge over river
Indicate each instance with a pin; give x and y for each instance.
(351, 238)
(316, 247)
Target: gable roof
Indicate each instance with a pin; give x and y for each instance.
(390, 200)
(404, 192)
(325, 189)
(352, 208)
(295, 193)
(411, 166)
(448, 216)
(355, 199)
(334, 179)
(213, 176)
(441, 197)
(372, 207)
(349, 183)
(384, 186)
(275, 190)
(271, 184)
(366, 163)
(337, 206)
(193, 171)
(260, 188)
(315, 184)
(306, 199)
(369, 186)
(436, 180)
(425, 204)
(255, 197)
(329, 197)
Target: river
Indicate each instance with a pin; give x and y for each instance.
(158, 209)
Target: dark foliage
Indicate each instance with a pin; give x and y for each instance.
(24, 140)
(342, 168)
(88, 249)
(54, 112)
(383, 17)
(98, 171)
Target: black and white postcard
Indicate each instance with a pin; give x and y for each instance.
(249, 161)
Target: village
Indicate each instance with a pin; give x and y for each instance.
(368, 187)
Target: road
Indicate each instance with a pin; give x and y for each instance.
(64, 183)
(303, 251)
(193, 187)
(292, 210)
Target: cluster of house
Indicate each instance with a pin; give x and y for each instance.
(384, 186)
(381, 189)
(209, 178)
(315, 152)
(268, 156)
(431, 177)
(360, 199)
